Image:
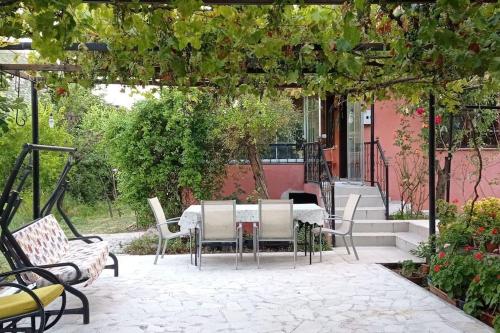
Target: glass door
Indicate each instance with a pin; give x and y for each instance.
(355, 142)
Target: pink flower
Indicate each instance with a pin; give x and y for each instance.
(438, 120)
(441, 255)
(420, 111)
(455, 201)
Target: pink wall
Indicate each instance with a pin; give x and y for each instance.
(387, 121)
(280, 178)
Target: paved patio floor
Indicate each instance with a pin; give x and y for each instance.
(338, 295)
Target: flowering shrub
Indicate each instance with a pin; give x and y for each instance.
(452, 272)
(486, 213)
(484, 289)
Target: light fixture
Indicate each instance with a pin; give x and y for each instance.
(51, 121)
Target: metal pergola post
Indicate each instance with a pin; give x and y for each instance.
(449, 157)
(432, 168)
(35, 155)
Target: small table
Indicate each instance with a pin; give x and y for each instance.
(311, 214)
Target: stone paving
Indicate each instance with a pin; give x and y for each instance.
(338, 295)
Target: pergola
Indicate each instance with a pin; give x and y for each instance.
(21, 70)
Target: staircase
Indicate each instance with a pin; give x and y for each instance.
(371, 228)
(370, 206)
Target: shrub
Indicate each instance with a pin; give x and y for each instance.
(167, 147)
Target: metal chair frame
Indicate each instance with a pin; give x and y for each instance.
(10, 324)
(260, 226)
(354, 200)
(163, 238)
(236, 227)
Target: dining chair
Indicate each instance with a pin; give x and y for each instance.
(276, 224)
(164, 232)
(345, 228)
(218, 225)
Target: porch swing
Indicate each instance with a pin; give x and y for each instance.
(42, 243)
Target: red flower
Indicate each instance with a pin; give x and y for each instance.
(438, 120)
(480, 230)
(437, 268)
(476, 278)
(468, 248)
(494, 231)
(479, 256)
(420, 111)
(441, 255)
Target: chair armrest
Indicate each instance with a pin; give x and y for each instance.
(63, 264)
(37, 270)
(86, 238)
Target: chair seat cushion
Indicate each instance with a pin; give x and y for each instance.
(22, 303)
(90, 259)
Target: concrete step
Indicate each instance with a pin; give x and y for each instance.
(369, 239)
(419, 227)
(407, 241)
(365, 213)
(378, 226)
(368, 200)
(356, 189)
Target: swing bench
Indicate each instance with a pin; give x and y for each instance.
(43, 244)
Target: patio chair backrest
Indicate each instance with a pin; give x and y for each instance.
(218, 220)
(160, 218)
(276, 219)
(349, 211)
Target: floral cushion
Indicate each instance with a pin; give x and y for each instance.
(90, 259)
(44, 243)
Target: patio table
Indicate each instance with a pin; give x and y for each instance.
(310, 214)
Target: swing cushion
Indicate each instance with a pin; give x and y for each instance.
(45, 243)
(21, 303)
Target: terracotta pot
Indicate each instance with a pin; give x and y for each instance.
(424, 268)
(492, 248)
(441, 294)
(487, 317)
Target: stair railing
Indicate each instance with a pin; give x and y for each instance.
(316, 170)
(377, 171)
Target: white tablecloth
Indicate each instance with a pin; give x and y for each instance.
(307, 213)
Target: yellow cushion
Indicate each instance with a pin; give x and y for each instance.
(22, 302)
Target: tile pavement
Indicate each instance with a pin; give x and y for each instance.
(338, 295)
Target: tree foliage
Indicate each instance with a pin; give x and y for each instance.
(249, 124)
(250, 48)
(86, 119)
(51, 164)
(167, 147)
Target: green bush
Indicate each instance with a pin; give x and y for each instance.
(167, 147)
(147, 244)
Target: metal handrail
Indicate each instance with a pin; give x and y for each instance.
(316, 170)
(380, 174)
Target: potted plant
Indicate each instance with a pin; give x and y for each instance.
(410, 271)
(423, 251)
(451, 273)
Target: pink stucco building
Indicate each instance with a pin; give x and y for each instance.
(343, 127)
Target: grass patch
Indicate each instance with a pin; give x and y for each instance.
(148, 243)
